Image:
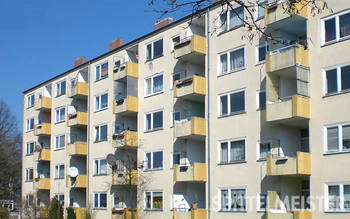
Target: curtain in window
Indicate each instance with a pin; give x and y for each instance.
(157, 83)
(148, 86)
(332, 139)
(97, 133)
(330, 30)
(237, 59)
(347, 197)
(157, 200)
(236, 17)
(104, 70)
(223, 63)
(224, 152)
(345, 77)
(238, 199)
(224, 200)
(344, 22)
(103, 200)
(346, 137)
(333, 197)
(237, 150)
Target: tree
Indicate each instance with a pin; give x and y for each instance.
(56, 209)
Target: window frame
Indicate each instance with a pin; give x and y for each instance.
(257, 51)
(58, 137)
(245, 210)
(228, 20)
(152, 207)
(152, 84)
(99, 102)
(228, 141)
(30, 100)
(258, 92)
(172, 79)
(99, 134)
(98, 173)
(57, 174)
(172, 117)
(100, 66)
(152, 157)
(152, 49)
(59, 119)
(258, 158)
(227, 53)
(29, 152)
(152, 123)
(339, 80)
(337, 29)
(172, 158)
(341, 197)
(58, 196)
(172, 44)
(264, 2)
(99, 200)
(30, 122)
(229, 113)
(340, 138)
(29, 177)
(59, 91)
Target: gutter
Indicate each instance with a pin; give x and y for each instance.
(208, 110)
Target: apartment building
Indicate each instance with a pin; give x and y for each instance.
(192, 121)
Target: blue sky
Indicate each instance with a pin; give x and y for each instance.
(41, 38)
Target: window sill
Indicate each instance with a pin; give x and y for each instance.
(28, 180)
(232, 211)
(337, 212)
(104, 174)
(152, 170)
(336, 152)
(100, 79)
(232, 162)
(335, 41)
(99, 141)
(337, 93)
(261, 160)
(59, 122)
(150, 60)
(103, 209)
(58, 149)
(260, 63)
(99, 110)
(260, 108)
(229, 30)
(154, 130)
(154, 94)
(29, 130)
(58, 178)
(232, 114)
(29, 107)
(27, 155)
(156, 210)
(231, 72)
(59, 95)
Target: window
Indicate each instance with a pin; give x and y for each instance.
(233, 199)
(29, 148)
(101, 71)
(174, 77)
(29, 124)
(264, 148)
(101, 133)
(232, 103)
(154, 84)
(60, 198)
(261, 9)
(174, 40)
(154, 50)
(100, 200)
(338, 138)
(30, 100)
(153, 200)
(101, 102)
(231, 61)
(175, 116)
(231, 19)
(100, 167)
(153, 121)
(154, 160)
(261, 53)
(60, 88)
(175, 159)
(232, 151)
(29, 174)
(59, 171)
(261, 201)
(338, 197)
(60, 114)
(336, 28)
(337, 79)
(261, 99)
(60, 142)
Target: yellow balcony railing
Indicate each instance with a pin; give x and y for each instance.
(42, 129)
(79, 119)
(45, 103)
(299, 165)
(126, 139)
(80, 89)
(286, 58)
(296, 107)
(124, 178)
(78, 148)
(42, 184)
(193, 214)
(193, 45)
(42, 155)
(77, 182)
(44, 212)
(191, 87)
(130, 69)
(195, 173)
(80, 213)
(196, 127)
(276, 12)
(124, 214)
(127, 105)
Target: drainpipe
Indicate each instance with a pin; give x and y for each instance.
(88, 138)
(208, 109)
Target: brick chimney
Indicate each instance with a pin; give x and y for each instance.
(163, 23)
(116, 43)
(79, 61)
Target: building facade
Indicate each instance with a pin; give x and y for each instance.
(194, 121)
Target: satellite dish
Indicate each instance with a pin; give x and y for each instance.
(111, 159)
(73, 171)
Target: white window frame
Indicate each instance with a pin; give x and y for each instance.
(152, 49)
(28, 124)
(57, 143)
(145, 201)
(100, 76)
(99, 200)
(229, 103)
(258, 92)
(228, 141)
(172, 45)
(152, 115)
(258, 158)
(27, 174)
(59, 87)
(98, 102)
(146, 161)
(341, 196)
(172, 117)
(339, 81)
(257, 53)
(340, 138)
(228, 52)
(172, 158)
(28, 152)
(99, 134)
(337, 31)
(152, 84)
(228, 20)
(59, 118)
(30, 98)
(172, 79)
(98, 173)
(57, 172)
(230, 201)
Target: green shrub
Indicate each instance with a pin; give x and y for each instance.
(70, 213)
(56, 210)
(4, 213)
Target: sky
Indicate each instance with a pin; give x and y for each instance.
(40, 39)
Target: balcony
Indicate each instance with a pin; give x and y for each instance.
(195, 128)
(285, 61)
(293, 110)
(191, 49)
(297, 214)
(42, 155)
(42, 129)
(195, 173)
(42, 184)
(278, 15)
(124, 214)
(127, 139)
(122, 178)
(79, 182)
(78, 148)
(78, 119)
(80, 90)
(44, 212)
(193, 214)
(44, 103)
(289, 166)
(193, 88)
(126, 106)
(80, 213)
(129, 69)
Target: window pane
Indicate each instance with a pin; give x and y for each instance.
(61, 174)
(265, 149)
(158, 83)
(104, 132)
(333, 197)
(62, 114)
(96, 169)
(157, 200)
(237, 59)
(262, 100)
(332, 139)
(344, 22)
(63, 87)
(224, 152)
(96, 200)
(158, 48)
(97, 103)
(158, 120)
(237, 150)
(149, 52)
(330, 29)
(158, 159)
(148, 200)
(177, 116)
(104, 101)
(148, 86)
(149, 161)
(345, 77)
(103, 166)
(62, 141)
(346, 137)
(263, 201)
(236, 17)
(347, 197)
(103, 200)
(237, 102)
(104, 69)
(224, 200)
(238, 201)
(148, 122)
(97, 133)
(223, 24)
(223, 63)
(261, 9)
(176, 159)
(332, 83)
(262, 53)
(223, 105)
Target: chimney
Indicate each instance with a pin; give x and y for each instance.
(116, 43)
(163, 23)
(79, 61)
